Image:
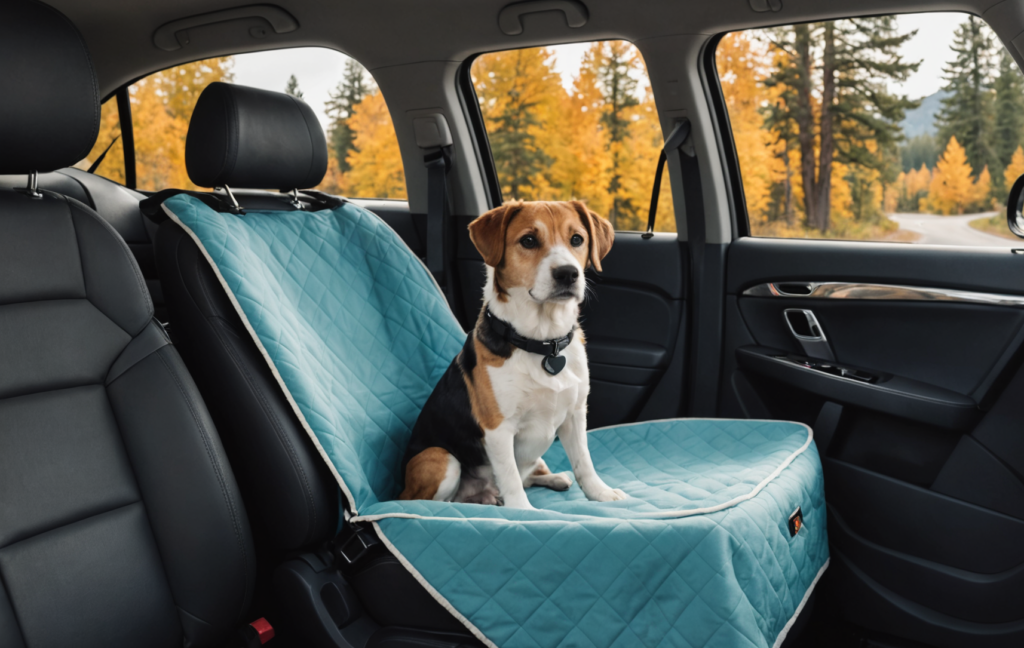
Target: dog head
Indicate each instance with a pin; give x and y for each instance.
(539, 250)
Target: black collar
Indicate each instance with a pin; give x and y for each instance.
(505, 331)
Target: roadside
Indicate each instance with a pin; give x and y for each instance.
(994, 225)
(953, 230)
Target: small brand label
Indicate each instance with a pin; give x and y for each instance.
(796, 522)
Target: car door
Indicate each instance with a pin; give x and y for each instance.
(906, 359)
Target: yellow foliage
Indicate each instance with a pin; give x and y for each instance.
(376, 160)
(741, 66)
(982, 189)
(951, 190)
(1015, 168)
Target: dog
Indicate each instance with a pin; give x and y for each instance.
(522, 376)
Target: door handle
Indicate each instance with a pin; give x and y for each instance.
(804, 326)
(510, 18)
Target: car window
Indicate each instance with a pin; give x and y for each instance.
(363, 155)
(575, 122)
(888, 128)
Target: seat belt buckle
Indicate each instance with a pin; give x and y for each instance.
(256, 633)
(353, 543)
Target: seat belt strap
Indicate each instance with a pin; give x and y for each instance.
(437, 164)
(674, 140)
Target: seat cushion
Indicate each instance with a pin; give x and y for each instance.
(704, 552)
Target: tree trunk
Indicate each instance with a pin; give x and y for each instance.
(805, 122)
(827, 144)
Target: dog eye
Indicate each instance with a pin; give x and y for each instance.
(529, 242)
(576, 240)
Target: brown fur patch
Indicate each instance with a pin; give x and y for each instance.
(481, 393)
(541, 470)
(424, 474)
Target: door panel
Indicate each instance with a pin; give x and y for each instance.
(923, 449)
(633, 322)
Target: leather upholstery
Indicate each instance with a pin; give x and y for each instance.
(50, 113)
(121, 516)
(256, 139)
(120, 521)
(288, 488)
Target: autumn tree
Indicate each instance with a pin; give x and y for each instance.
(1014, 169)
(519, 94)
(375, 160)
(292, 88)
(951, 190)
(353, 86)
(831, 83)
(967, 112)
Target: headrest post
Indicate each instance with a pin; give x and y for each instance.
(295, 200)
(234, 202)
(32, 189)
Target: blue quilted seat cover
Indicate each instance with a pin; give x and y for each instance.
(700, 554)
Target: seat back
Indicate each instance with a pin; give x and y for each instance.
(354, 326)
(120, 521)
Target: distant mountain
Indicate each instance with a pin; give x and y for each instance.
(921, 120)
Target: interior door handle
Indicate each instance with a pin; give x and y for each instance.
(804, 326)
(511, 23)
(174, 35)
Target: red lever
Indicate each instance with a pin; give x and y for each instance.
(263, 629)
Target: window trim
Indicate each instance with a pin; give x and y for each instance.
(727, 144)
(481, 142)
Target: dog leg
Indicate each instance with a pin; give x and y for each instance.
(573, 434)
(433, 474)
(500, 447)
(541, 476)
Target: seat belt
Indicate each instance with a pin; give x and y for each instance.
(674, 140)
(434, 136)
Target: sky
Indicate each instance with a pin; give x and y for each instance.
(319, 70)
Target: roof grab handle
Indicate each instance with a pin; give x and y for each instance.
(174, 35)
(511, 23)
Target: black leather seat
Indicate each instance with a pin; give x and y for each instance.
(120, 520)
(292, 498)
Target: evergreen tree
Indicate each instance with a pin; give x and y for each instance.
(968, 112)
(1009, 109)
(292, 88)
(353, 86)
(921, 149)
(831, 82)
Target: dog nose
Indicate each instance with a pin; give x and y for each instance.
(566, 274)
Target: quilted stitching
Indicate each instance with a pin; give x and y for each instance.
(359, 334)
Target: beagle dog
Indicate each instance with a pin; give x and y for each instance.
(522, 376)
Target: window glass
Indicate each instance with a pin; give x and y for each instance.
(889, 128)
(364, 158)
(575, 122)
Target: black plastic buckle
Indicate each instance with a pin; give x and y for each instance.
(353, 543)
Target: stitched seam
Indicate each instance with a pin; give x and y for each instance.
(78, 249)
(211, 456)
(14, 610)
(140, 282)
(67, 524)
(132, 365)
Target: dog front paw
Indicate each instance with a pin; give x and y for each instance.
(609, 495)
(561, 481)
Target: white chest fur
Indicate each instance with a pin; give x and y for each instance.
(534, 403)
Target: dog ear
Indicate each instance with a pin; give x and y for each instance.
(602, 235)
(488, 232)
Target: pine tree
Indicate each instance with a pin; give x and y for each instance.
(832, 99)
(617, 65)
(968, 112)
(292, 88)
(353, 87)
(1009, 110)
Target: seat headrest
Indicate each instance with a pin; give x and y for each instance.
(254, 139)
(49, 98)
